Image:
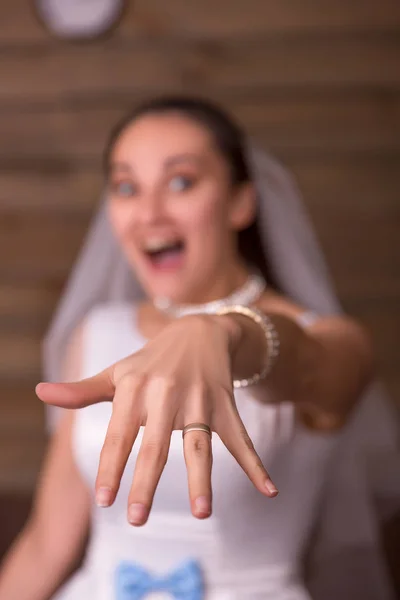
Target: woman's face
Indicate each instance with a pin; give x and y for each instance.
(173, 208)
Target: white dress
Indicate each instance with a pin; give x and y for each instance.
(252, 547)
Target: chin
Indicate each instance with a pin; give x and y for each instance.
(176, 289)
(175, 295)
(165, 287)
(172, 281)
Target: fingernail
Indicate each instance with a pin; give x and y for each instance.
(40, 387)
(103, 497)
(271, 488)
(202, 505)
(137, 514)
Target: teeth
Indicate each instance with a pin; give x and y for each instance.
(155, 245)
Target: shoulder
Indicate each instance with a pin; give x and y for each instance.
(273, 303)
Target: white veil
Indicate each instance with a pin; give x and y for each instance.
(101, 274)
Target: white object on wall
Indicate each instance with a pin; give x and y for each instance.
(79, 19)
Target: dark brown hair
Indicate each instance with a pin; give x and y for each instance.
(229, 140)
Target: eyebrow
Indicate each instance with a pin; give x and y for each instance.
(187, 156)
(169, 162)
(120, 166)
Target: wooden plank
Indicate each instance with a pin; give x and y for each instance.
(18, 299)
(18, 24)
(20, 356)
(38, 246)
(362, 253)
(354, 206)
(27, 307)
(73, 71)
(302, 122)
(21, 353)
(21, 411)
(336, 61)
(61, 132)
(21, 361)
(238, 18)
(369, 184)
(361, 249)
(328, 124)
(383, 323)
(224, 19)
(68, 70)
(20, 460)
(50, 185)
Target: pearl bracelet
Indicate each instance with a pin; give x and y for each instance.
(271, 336)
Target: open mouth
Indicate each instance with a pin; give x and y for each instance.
(165, 255)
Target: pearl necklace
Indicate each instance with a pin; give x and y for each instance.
(244, 296)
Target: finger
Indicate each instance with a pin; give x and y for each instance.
(153, 452)
(78, 394)
(198, 452)
(234, 435)
(198, 458)
(121, 435)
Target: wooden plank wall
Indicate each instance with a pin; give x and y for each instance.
(316, 81)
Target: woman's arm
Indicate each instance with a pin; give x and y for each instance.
(184, 376)
(322, 369)
(342, 367)
(51, 542)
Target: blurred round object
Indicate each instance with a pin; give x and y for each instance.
(79, 19)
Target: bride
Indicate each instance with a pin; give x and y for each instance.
(201, 284)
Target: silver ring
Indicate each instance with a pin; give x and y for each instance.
(196, 427)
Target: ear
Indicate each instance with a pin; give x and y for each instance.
(243, 207)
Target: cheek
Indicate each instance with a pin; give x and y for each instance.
(205, 217)
(120, 216)
(123, 225)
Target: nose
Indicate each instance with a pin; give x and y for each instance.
(152, 209)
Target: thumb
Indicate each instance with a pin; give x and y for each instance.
(78, 394)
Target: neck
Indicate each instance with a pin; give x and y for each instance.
(246, 290)
(224, 283)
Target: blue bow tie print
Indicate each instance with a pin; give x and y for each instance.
(134, 583)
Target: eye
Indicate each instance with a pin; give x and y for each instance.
(125, 189)
(180, 183)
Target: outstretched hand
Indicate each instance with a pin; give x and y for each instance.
(182, 376)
